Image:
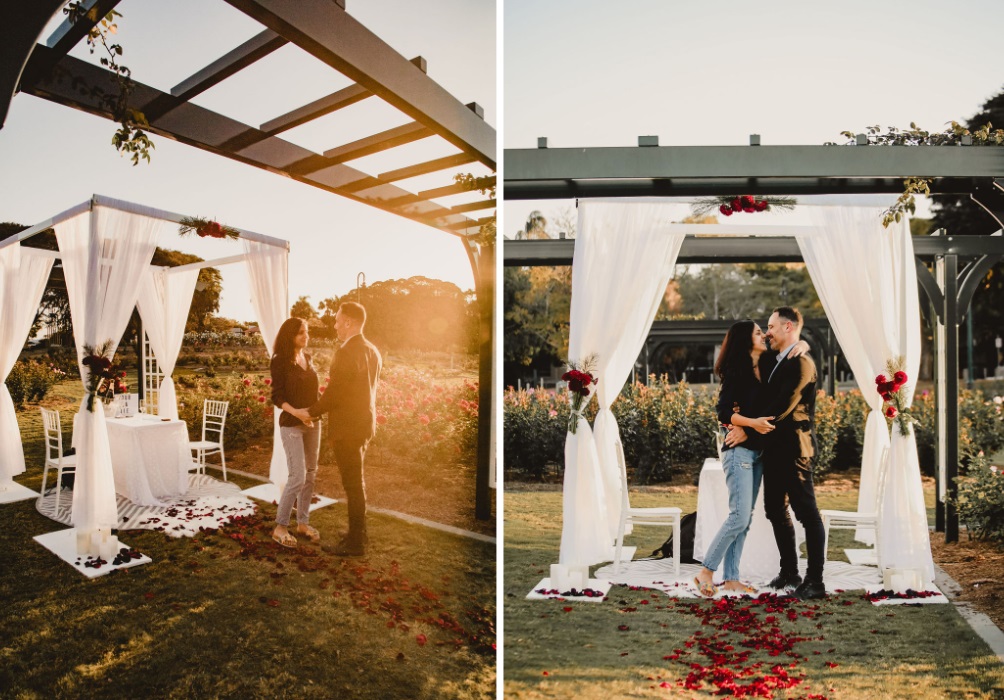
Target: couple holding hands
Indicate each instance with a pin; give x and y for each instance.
(766, 410)
(350, 401)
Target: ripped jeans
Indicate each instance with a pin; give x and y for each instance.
(743, 473)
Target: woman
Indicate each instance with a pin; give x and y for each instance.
(738, 369)
(294, 389)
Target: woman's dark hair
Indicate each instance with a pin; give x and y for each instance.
(734, 359)
(285, 348)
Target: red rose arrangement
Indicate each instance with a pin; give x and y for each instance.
(890, 387)
(727, 206)
(207, 227)
(103, 377)
(579, 378)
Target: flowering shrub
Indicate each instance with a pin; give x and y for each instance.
(981, 500)
(249, 416)
(534, 422)
(980, 426)
(425, 420)
(31, 381)
(663, 425)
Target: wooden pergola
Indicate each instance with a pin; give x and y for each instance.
(328, 33)
(960, 261)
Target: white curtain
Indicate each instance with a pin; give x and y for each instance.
(24, 272)
(624, 258)
(105, 252)
(866, 280)
(268, 273)
(164, 300)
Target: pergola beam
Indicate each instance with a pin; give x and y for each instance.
(254, 49)
(318, 108)
(431, 166)
(329, 33)
(564, 173)
(738, 249)
(182, 121)
(68, 34)
(385, 140)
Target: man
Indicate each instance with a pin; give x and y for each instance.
(350, 401)
(790, 396)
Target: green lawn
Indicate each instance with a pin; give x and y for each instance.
(616, 649)
(232, 615)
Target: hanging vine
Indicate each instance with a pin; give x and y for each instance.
(954, 135)
(486, 186)
(130, 138)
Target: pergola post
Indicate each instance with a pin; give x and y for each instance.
(951, 385)
(482, 259)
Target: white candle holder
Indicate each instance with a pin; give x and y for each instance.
(559, 577)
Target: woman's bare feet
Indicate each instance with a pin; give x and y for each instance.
(738, 587)
(704, 582)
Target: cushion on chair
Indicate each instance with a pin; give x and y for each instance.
(202, 444)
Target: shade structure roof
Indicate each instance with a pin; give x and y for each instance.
(333, 39)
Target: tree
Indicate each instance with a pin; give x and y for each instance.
(205, 301)
(301, 308)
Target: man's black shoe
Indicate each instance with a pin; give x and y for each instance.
(783, 580)
(346, 548)
(810, 590)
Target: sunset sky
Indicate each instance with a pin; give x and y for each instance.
(52, 157)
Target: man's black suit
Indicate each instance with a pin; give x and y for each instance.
(350, 401)
(790, 396)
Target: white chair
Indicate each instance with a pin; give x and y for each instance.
(853, 520)
(644, 516)
(54, 458)
(214, 417)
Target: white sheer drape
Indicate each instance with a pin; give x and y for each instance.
(268, 274)
(24, 273)
(866, 280)
(105, 252)
(624, 258)
(164, 300)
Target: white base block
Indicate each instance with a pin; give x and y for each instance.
(594, 583)
(270, 493)
(63, 543)
(12, 492)
(862, 557)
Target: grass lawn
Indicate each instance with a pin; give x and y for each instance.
(618, 648)
(233, 615)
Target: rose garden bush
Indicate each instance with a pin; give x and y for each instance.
(418, 419)
(30, 381)
(664, 427)
(981, 500)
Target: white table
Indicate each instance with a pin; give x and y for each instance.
(760, 560)
(150, 458)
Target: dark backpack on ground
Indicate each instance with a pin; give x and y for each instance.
(688, 525)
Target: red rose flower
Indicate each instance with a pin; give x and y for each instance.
(423, 419)
(268, 382)
(737, 204)
(261, 399)
(888, 387)
(725, 209)
(880, 379)
(749, 208)
(246, 382)
(381, 419)
(761, 205)
(886, 396)
(900, 378)
(890, 411)
(748, 199)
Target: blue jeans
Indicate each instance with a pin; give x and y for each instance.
(302, 445)
(743, 474)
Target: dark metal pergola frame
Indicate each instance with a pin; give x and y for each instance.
(688, 171)
(331, 35)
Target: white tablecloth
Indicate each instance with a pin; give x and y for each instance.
(150, 458)
(760, 560)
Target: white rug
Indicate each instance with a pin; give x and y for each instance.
(837, 575)
(208, 504)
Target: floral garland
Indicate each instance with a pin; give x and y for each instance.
(207, 227)
(729, 205)
(893, 396)
(103, 377)
(579, 378)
